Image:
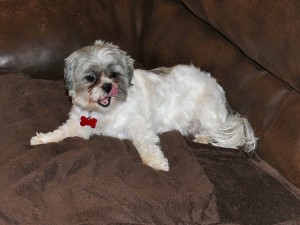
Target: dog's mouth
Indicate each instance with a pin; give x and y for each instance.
(105, 102)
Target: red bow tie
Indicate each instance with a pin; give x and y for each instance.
(87, 121)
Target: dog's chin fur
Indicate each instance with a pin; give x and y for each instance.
(142, 104)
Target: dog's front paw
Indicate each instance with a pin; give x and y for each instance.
(154, 158)
(159, 164)
(39, 139)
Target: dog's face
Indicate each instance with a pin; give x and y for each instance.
(98, 76)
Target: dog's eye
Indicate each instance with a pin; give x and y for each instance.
(114, 75)
(91, 78)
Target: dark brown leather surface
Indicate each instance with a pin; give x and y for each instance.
(267, 31)
(36, 36)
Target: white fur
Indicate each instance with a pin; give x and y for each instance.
(186, 99)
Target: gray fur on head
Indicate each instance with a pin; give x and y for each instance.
(98, 58)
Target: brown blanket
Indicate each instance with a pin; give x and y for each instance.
(103, 181)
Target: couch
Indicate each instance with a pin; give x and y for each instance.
(251, 47)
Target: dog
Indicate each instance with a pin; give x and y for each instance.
(112, 98)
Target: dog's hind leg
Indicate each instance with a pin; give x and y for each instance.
(202, 139)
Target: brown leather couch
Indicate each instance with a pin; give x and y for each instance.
(251, 47)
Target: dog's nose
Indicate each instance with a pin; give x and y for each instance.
(107, 87)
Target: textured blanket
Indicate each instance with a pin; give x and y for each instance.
(103, 181)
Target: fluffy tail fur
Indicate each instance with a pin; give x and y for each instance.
(235, 132)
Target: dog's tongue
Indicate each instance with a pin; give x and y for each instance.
(113, 91)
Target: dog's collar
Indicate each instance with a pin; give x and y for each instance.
(88, 121)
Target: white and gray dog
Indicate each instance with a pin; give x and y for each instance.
(111, 98)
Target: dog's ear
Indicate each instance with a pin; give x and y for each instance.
(70, 67)
(130, 68)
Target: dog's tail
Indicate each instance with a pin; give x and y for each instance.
(235, 132)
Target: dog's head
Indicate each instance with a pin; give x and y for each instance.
(97, 77)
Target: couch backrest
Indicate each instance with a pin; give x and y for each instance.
(36, 36)
(266, 31)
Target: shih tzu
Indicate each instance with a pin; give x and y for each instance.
(111, 98)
